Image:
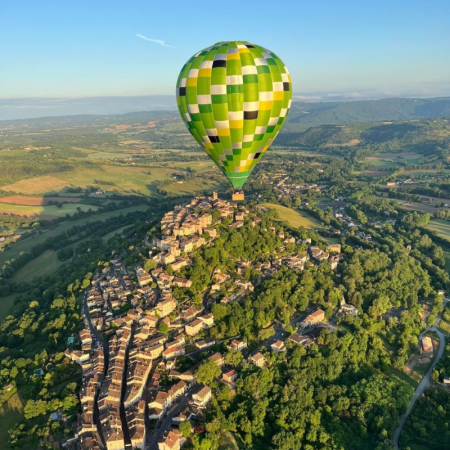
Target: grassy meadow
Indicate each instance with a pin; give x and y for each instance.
(5, 305)
(293, 217)
(11, 413)
(44, 264)
(45, 211)
(27, 243)
(111, 178)
(441, 227)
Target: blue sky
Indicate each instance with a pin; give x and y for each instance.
(343, 48)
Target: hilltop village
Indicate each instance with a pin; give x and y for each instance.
(136, 387)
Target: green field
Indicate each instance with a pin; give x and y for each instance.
(25, 245)
(294, 218)
(5, 305)
(48, 210)
(441, 227)
(112, 178)
(416, 206)
(43, 265)
(11, 413)
(395, 158)
(113, 233)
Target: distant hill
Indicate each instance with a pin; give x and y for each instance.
(304, 115)
(25, 108)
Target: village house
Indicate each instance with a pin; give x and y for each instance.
(182, 282)
(229, 375)
(176, 390)
(136, 425)
(346, 309)
(298, 339)
(217, 358)
(211, 231)
(167, 258)
(315, 251)
(144, 279)
(193, 328)
(205, 343)
(189, 314)
(85, 337)
(333, 248)
(171, 440)
(190, 412)
(165, 307)
(427, 344)
(173, 352)
(207, 319)
(333, 262)
(258, 360)
(180, 263)
(278, 347)
(236, 344)
(313, 319)
(158, 405)
(202, 396)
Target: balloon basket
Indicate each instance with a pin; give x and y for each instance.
(237, 196)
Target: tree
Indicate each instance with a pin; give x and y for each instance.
(185, 428)
(163, 328)
(234, 358)
(207, 371)
(35, 408)
(150, 265)
(266, 333)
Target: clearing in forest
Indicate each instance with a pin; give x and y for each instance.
(292, 217)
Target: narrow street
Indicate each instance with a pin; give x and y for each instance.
(425, 380)
(105, 345)
(123, 418)
(152, 439)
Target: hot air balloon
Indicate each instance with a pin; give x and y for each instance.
(234, 98)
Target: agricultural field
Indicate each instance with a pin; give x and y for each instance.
(36, 201)
(441, 227)
(113, 233)
(294, 218)
(6, 303)
(195, 185)
(43, 265)
(47, 212)
(416, 206)
(38, 185)
(396, 158)
(111, 178)
(11, 413)
(27, 243)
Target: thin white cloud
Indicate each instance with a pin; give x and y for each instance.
(308, 98)
(156, 41)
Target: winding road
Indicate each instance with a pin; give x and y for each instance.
(425, 380)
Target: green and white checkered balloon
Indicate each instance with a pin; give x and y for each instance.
(234, 98)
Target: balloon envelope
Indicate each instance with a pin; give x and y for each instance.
(234, 98)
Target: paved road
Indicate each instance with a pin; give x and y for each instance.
(99, 337)
(152, 440)
(425, 380)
